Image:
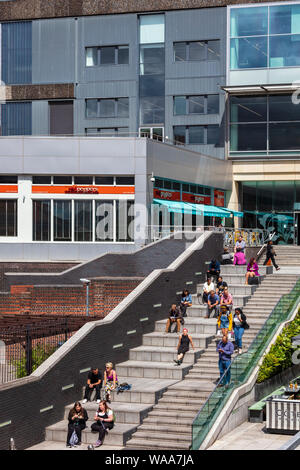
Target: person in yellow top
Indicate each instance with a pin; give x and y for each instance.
(225, 320)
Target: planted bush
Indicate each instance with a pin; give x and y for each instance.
(279, 357)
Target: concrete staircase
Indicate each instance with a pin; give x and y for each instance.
(287, 255)
(159, 410)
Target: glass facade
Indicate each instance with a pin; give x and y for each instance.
(265, 37)
(197, 135)
(152, 69)
(264, 123)
(16, 118)
(270, 205)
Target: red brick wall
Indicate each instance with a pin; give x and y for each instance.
(104, 296)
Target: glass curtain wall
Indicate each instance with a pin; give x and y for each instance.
(16, 52)
(152, 69)
(265, 37)
(269, 205)
(266, 124)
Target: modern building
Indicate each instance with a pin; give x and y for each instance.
(214, 81)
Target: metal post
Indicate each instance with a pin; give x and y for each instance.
(87, 299)
(28, 352)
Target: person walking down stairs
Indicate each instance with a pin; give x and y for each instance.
(183, 346)
(271, 255)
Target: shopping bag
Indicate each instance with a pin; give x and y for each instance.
(74, 439)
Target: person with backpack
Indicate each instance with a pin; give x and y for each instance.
(270, 255)
(224, 320)
(104, 420)
(77, 422)
(239, 325)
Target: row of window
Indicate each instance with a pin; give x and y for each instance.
(183, 51)
(107, 108)
(196, 135)
(185, 187)
(78, 221)
(107, 131)
(69, 180)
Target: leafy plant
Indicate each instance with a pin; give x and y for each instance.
(279, 357)
(39, 354)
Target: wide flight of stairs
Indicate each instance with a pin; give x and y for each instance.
(159, 410)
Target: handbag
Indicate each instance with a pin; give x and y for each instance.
(74, 439)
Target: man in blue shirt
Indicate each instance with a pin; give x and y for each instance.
(213, 303)
(225, 349)
(214, 269)
(185, 302)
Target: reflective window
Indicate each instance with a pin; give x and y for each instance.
(152, 29)
(196, 134)
(16, 118)
(8, 218)
(8, 179)
(104, 180)
(88, 180)
(106, 55)
(246, 53)
(123, 55)
(104, 222)
(83, 221)
(245, 137)
(285, 51)
(196, 105)
(213, 134)
(91, 56)
(213, 50)
(125, 221)
(179, 105)
(107, 107)
(180, 51)
(123, 107)
(152, 109)
(92, 108)
(248, 108)
(196, 50)
(62, 220)
(152, 59)
(41, 180)
(284, 19)
(284, 136)
(282, 108)
(249, 21)
(107, 131)
(16, 52)
(179, 133)
(41, 220)
(213, 104)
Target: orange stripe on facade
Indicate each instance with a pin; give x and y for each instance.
(8, 188)
(84, 190)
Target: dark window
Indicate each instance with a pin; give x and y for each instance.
(41, 180)
(179, 135)
(159, 183)
(41, 220)
(83, 221)
(186, 188)
(62, 221)
(248, 108)
(125, 180)
(196, 134)
(213, 134)
(197, 50)
(284, 136)
(16, 118)
(176, 186)
(62, 179)
(152, 59)
(107, 108)
(83, 180)
(104, 180)
(193, 188)
(245, 137)
(8, 217)
(213, 104)
(167, 184)
(8, 179)
(179, 105)
(61, 117)
(107, 55)
(123, 55)
(196, 104)
(282, 108)
(180, 51)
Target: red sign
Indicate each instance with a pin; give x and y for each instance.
(82, 190)
(166, 195)
(195, 199)
(219, 198)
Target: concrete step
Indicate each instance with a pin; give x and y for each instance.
(167, 406)
(162, 370)
(172, 414)
(162, 354)
(180, 401)
(143, 390)
(126, 413)
(237, 279)
(231, 269)
(116, 436)
(200, 340)
(161, 436)
(149, 444)
(189, 394)
(166, 428)
(194, 325)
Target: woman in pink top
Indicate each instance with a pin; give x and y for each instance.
(239, 257)
(110, 380)
(252, 269)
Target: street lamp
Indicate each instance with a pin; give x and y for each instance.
(86, 283)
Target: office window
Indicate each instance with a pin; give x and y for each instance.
(8, 217)
(83, 221)
(107, 107)
(179, 105)
(104, 221)
(152, 29)
(196, 104)
(179, 133)
(41, 220)
(83, 180)
(213, 134)
(197, 135)
(125, 221)
(62, 180)
(106, 55)
(16, 118)
(152, 59)
(196, 50)
(125, 180)
(41, 180)
(104, 180)
(213, 104)
(264, 123)
(107, 132)
(249, 21)
(16, 52)
(152, 110)
(62, 221)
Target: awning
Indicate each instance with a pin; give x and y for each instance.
(190, 208)
(263, 89)
(235, 213)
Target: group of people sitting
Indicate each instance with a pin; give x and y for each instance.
(104, 416)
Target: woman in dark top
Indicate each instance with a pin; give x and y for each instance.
(270, 254)
(104, 420)
(239, 325)
(77, 419)
(185, 302)
(183, 346)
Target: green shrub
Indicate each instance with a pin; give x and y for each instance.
(279, 357)
(39, 354)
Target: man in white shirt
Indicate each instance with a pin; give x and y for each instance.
(240, 244)
(207, 288)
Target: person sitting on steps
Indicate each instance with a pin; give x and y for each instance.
(208, 286)
(221, 286)
(213, 302)
(226, 299)
(185, 302)
(104, 420)
(77, 422)
(214, 269)
(110, 380)
(183, 346)
(174, 317)
(94, 381)
(252, 270)
(239, 258)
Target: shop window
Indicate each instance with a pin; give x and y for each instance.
(62, 221)
(41, 220)
(83, 221)
(104, 224)
(8, 218)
